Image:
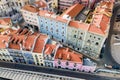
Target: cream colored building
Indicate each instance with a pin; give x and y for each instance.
(30, 15)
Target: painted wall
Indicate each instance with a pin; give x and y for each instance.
(5, 55)
(17, 56)
(38, 58)
(54, 28)
(30, 18)
(93, 44)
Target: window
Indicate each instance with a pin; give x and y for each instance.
(75, 64)
(89, 41)
(80, 38)
(63, 32)
(20, 4)
(36, 58)
(57, 30)
(98, 38)
(96, 43)
(75, 36)
(67, 63)
(59, 62)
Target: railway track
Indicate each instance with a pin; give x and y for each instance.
(15, 74)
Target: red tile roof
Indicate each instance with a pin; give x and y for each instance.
(66, 54)
(31, 8)
(18, 40)
(101, 18)
(49, 48)
(48, 14)
(5, 21)
(80, 25)
(41, 4)
(94, 29)
(74, 10)
(40, 43)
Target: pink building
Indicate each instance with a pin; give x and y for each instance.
(68, 59)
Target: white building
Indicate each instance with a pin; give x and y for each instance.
(29, 14)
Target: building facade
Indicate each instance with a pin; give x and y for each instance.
(63, 5)
(24, 47)
(53, 27)
(10, 8)
(49, 52)
(30, 15)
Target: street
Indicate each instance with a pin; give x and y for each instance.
(82, 75)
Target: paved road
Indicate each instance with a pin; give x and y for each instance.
(86, 76)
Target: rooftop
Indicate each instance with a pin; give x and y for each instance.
(31, 8)
(67, 54)
(80, 25)
(5, 21)
(41, 4)
(73, 10)
(20, 39)
(49, 48)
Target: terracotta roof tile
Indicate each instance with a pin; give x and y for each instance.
(66, 54)
(48, 14)
(101, 18)
(22, 41)
(41, 4)
(73, 10)
(59, 18)
(5, 21)
(81, 25)
(94, 29)
(49, 48)
(31, 8)
(40, 43)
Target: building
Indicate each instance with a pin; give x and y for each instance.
(56, 26)
(49, 52)
(67, 59)
(30, 13)
(82, 33)
(63, 5)
(24, 47)
(10, 8)
(19, 3)
(99, 28)
(5, 8)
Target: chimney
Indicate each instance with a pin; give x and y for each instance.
(68, 56)
(67, 49)
(6, 43)
(60, 56)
